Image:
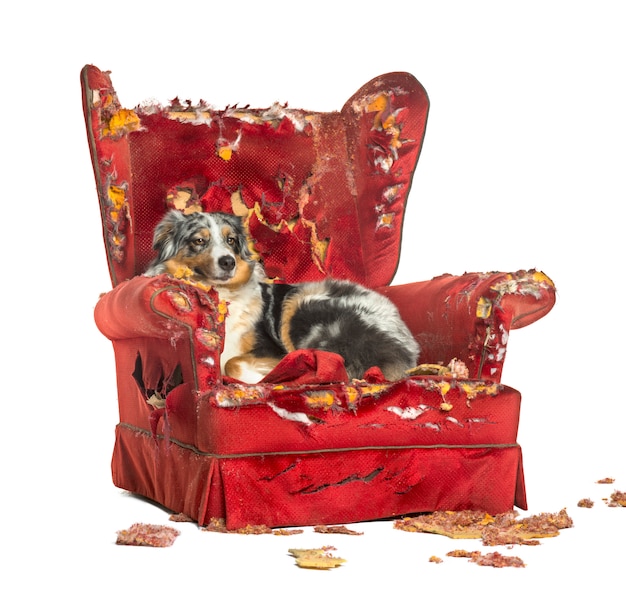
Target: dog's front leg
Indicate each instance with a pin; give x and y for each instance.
(249, 368)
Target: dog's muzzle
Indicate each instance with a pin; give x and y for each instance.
(226, 267)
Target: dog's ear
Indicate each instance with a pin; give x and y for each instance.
(248, 250)
(164, 241)
(164, 235)
(245, 246)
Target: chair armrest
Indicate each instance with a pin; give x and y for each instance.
(170, 323)
(469, 317)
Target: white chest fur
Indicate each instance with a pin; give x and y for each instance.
(244, 309)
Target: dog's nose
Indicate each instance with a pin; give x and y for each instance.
(226, 262)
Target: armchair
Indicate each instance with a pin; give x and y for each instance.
(323, 194)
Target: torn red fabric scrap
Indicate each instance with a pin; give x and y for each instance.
(146, 534)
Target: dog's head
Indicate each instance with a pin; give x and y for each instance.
(211, 248)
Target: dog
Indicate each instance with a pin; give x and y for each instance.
(265, 321)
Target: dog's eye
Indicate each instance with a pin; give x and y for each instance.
(199, 241)
(231, 241)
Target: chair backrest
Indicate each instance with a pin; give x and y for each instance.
(323, 194)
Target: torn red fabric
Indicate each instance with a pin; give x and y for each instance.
(310, 367)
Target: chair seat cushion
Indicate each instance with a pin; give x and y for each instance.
(328, 454)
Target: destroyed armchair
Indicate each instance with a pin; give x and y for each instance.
(323, 194)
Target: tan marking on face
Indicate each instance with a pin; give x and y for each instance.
(184, 266)
(204, 233)
(178, 268)
(227, 231)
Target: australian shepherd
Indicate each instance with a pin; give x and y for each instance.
(267, 320)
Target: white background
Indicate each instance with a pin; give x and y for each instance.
(522, 167)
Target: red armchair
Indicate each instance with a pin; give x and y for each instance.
(323, 194)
